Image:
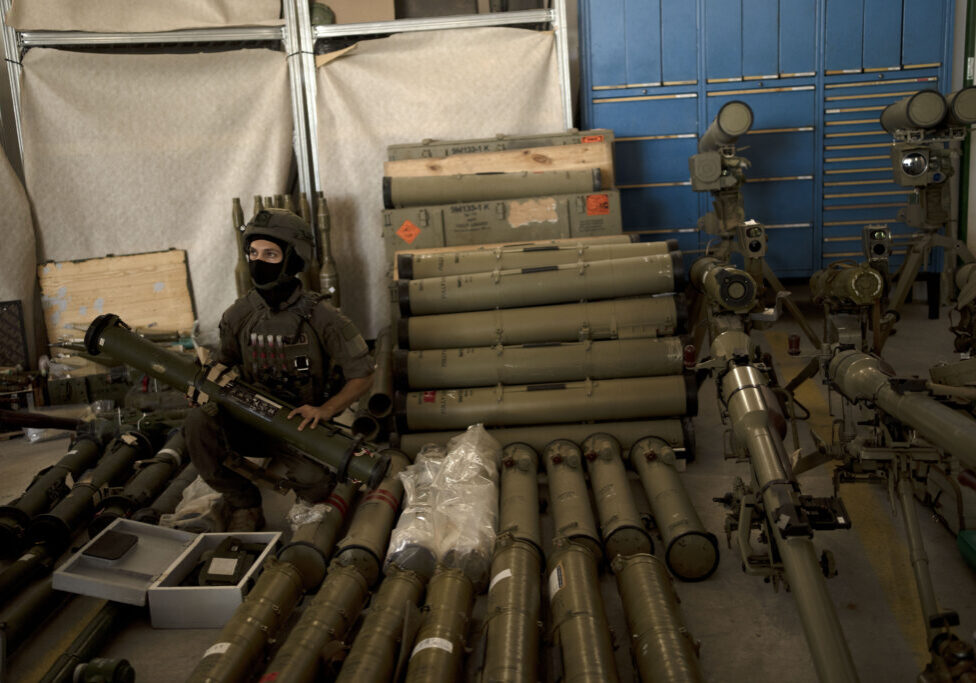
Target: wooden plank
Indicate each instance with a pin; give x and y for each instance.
(150, 292)
(561, 158)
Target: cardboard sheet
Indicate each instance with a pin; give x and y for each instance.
(17, 257)
(135, 153)
(139, 16)
(452, 84)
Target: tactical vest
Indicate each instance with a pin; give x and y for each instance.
(282, 352)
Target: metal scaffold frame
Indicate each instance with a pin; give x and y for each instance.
(298, 38)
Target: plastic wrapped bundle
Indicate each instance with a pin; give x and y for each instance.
(412, 544)
(466, 503)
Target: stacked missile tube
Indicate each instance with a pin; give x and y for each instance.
(526, 335)
(354, 570)
(374, 411)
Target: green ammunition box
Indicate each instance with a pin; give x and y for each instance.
(504, 220)
(446, 148)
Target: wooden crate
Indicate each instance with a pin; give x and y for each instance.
(150, 292)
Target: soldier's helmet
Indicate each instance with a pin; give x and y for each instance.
(283, 225)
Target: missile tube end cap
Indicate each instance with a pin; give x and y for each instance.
(678, 270)
(401, 380)
(403, 296)
(405, 266)
(388, 193)
(681, 558)
(681, 317)
(672, 244)
(400, 412)
(403, 333)
(95, 330)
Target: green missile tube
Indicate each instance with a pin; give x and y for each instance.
(609, 279)
(365, 424)
(578, 617)
(605, 399)
(539, 362)
(572, 517)
(620, 523)
(373, 656)
(614, 319)
(168, 499)
(47, 487)
(379, 400)
(691, 552)
(299, 567)
(859, 377)
(76, 508)
(518, 504)
(662, 646)
(512, 615)
(400, 192)
(325, 620)
(147, 483)
(961, 107)
(415, 266)
(439, 647)
(724, 284)
(241, 401)
(355, 568)
(512, 633)
(369, 533)
(538, 436)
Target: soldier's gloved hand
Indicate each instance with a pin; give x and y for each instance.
(313, 414)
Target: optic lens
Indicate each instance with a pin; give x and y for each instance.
(914, 164)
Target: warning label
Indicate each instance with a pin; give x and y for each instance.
(592, 138)
(597, 205)
(430, 396)
(408, 232)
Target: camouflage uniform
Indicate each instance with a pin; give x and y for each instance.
(301, 353)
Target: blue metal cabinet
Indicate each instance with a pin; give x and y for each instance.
(817, 74)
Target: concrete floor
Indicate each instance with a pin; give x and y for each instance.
(747, 631)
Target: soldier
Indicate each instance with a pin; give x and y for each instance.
(289, 342)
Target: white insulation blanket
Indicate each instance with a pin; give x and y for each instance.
(441, 84)
(132, 153)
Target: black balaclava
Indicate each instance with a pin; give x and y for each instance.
(275, 282)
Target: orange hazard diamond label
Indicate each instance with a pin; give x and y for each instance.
(592, 138)
(597, 205)
(408, 232)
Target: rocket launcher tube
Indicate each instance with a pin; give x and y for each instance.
(750, 416)
(47, 486)
(859, 377)
(220, 384)
(373, 656)
(691, 552)
(518, 505)
(439, 647)
(539, 362)
(379, 401)
(606, 399)
(664, 650)
(412, 266)
(620, 523)
(609, 279)
(572, 517)
(612, 319)
(577, 613)
(168, 499)
(145, 485)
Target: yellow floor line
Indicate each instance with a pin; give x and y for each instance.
(880, 534)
